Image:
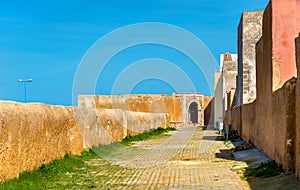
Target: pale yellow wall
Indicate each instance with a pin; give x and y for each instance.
(218, 100)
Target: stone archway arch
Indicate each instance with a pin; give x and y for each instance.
(194, 115)
(186, 99)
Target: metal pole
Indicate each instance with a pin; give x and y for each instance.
(25, 90)
(25, 97)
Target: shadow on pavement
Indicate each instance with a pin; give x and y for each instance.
(252, 159)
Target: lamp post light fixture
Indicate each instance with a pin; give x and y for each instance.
(25, 82)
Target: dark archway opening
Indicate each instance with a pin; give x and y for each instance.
(193, 109)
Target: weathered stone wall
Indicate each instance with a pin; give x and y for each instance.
(235, 118)
(249, 130)
(176, 106)
(278, 138)
(104, 126)
(269, 122)
(297, 130)
(187, 99)
(33, 134)
(171, 105)
(249, 32)
(231, 118)
(229, 73)
(283, 123)
(264, 86)
(285, 28)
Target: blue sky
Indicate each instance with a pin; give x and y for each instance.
(46, 40)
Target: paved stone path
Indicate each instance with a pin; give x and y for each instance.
(189, 159)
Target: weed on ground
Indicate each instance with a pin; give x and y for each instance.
(85, 171)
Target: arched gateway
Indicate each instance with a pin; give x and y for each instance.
(193, 112)
(192, 108)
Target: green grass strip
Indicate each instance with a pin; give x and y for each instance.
(151, 134)
(54, 175)
(49, 175)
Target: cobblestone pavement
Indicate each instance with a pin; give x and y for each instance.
(189, 159)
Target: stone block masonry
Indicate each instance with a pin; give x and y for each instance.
(249, 32)
(270, 121)
(229, 73)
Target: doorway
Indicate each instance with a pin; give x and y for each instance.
(193, 110)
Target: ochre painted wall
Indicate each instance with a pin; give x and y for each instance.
(248, 120)
(277, 139)
(137, 103)
(33, 134)
(269, 122)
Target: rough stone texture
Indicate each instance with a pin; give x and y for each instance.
(272, 128)
(33, 134)
(249, 32)
(283, 114)
(269, 122)
(248, 121)
(136, 103)
(263, 107)
(187, 99)
(104, 126)
(277, 138)
(173, 105)
(229, 73)
(236, 123)
(275, 64)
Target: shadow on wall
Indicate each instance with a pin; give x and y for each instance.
(208, 110)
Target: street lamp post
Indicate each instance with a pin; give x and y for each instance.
(25, 82)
